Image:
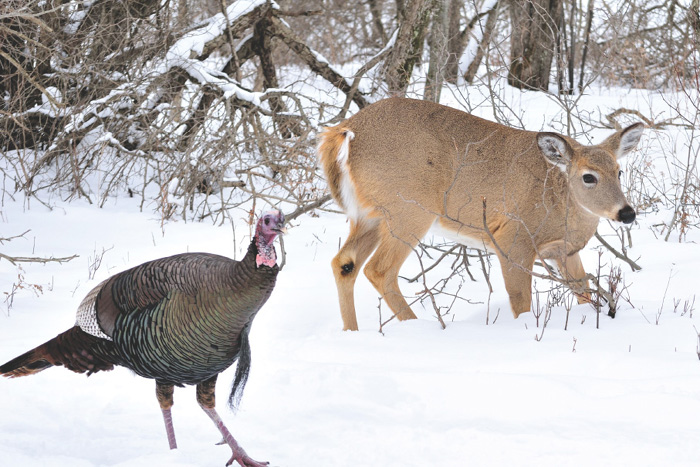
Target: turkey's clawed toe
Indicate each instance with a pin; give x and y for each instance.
(244, 460)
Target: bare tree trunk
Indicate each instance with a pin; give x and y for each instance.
(401, 10)
(534, 25)
(183, 11)
(483, 45)
(587, 38)
(375, 9)
(559, 60)
(409, 44)
(459, 40)
(572, 45)
(438, 52)
(694, 18)
(455, 41)
(262, 45)
(566, 51)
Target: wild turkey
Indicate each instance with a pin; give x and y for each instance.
(179, 320)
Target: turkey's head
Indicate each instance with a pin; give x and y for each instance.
(270, 224)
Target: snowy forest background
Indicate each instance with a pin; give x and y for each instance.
(134, 129)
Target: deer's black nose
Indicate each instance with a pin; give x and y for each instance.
(626, 215)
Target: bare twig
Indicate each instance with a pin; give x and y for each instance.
(308, 207)
(36, 259)
(444, 255)
(623, 111)
(625, 258)
(321, 67)
(30, 259)
(429, 292)
(8, 239)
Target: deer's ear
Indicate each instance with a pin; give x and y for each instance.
(555, 149)
(629, 139)
(623, 142)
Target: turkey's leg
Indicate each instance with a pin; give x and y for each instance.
(164, 393)
(207, 401)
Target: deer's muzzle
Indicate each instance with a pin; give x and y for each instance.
(626, 215)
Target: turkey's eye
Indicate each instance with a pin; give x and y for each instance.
(590, 179)
(267, 221)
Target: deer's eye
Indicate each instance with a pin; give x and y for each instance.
(589, 179)
(619, 175)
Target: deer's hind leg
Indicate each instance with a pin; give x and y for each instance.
(362, 240)
(395, 245)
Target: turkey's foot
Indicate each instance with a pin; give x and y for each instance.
(238, 454)
(244, 459)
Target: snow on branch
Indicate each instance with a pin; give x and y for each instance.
(202, 41)
(185, 110)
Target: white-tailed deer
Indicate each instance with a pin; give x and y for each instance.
(400, 167)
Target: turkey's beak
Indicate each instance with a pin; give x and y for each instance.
(279, 227)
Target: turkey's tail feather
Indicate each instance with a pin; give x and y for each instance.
(242, 370)
(26, 364)
(72, 349)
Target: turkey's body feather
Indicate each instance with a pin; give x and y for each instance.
(185, 323)
(179, 320)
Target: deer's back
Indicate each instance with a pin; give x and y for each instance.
(445, 161)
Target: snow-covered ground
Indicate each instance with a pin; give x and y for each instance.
(627, 393)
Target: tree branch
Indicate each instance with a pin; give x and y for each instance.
(312, 58)
(36, 259)
(633, 265)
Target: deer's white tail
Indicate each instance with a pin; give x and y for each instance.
(334, 153)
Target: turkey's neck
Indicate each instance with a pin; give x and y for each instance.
(266, 251)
